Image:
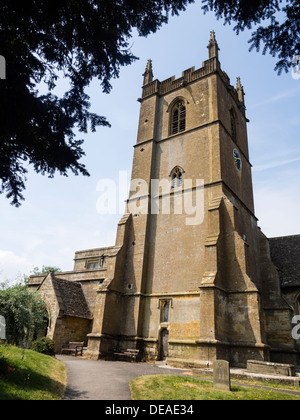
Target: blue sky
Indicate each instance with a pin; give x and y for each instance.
(60, 216)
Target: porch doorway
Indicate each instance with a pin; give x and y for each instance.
(164, 344)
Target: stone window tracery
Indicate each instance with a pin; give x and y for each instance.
(178, 118)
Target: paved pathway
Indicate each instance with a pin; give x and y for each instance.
(101, 380)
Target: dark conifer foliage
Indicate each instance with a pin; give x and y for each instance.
(277, 24)
(83, 40)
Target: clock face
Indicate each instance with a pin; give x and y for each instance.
(237, 159)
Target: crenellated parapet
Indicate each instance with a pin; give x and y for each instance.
(188, 76)
(211, 66)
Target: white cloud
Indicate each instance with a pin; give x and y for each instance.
(12, 266)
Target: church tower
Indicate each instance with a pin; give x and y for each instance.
(185, 280)
(191, 277)
(190, 286)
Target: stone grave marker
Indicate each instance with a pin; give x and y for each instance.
(2, 328)
(221, 375)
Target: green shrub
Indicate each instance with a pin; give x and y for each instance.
(44, 345)
(24, 312)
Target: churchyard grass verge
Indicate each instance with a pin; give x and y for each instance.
(28, 375)
(168, 387)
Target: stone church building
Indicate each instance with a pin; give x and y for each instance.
(191, 288)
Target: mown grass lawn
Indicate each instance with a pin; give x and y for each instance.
(30, 375)
(167, 387)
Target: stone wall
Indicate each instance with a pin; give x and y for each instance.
(70, 329)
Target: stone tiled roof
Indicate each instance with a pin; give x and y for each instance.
(285, 254)
(71, 299)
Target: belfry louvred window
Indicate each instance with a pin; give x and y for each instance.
(178, 123)
(176, 177)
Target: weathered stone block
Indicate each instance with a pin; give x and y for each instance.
(267, 368)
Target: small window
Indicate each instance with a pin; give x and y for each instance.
(233, 125)
(93, 265)
(177, 177)
(165, 311)
(178, 118)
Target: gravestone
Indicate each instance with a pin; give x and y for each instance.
(2, 67)
(2, 328)
(221, 375)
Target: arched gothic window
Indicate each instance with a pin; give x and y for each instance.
(177, 177)
(178, 118)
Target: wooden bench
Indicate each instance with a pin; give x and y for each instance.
(128, 355)
(73, 347)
